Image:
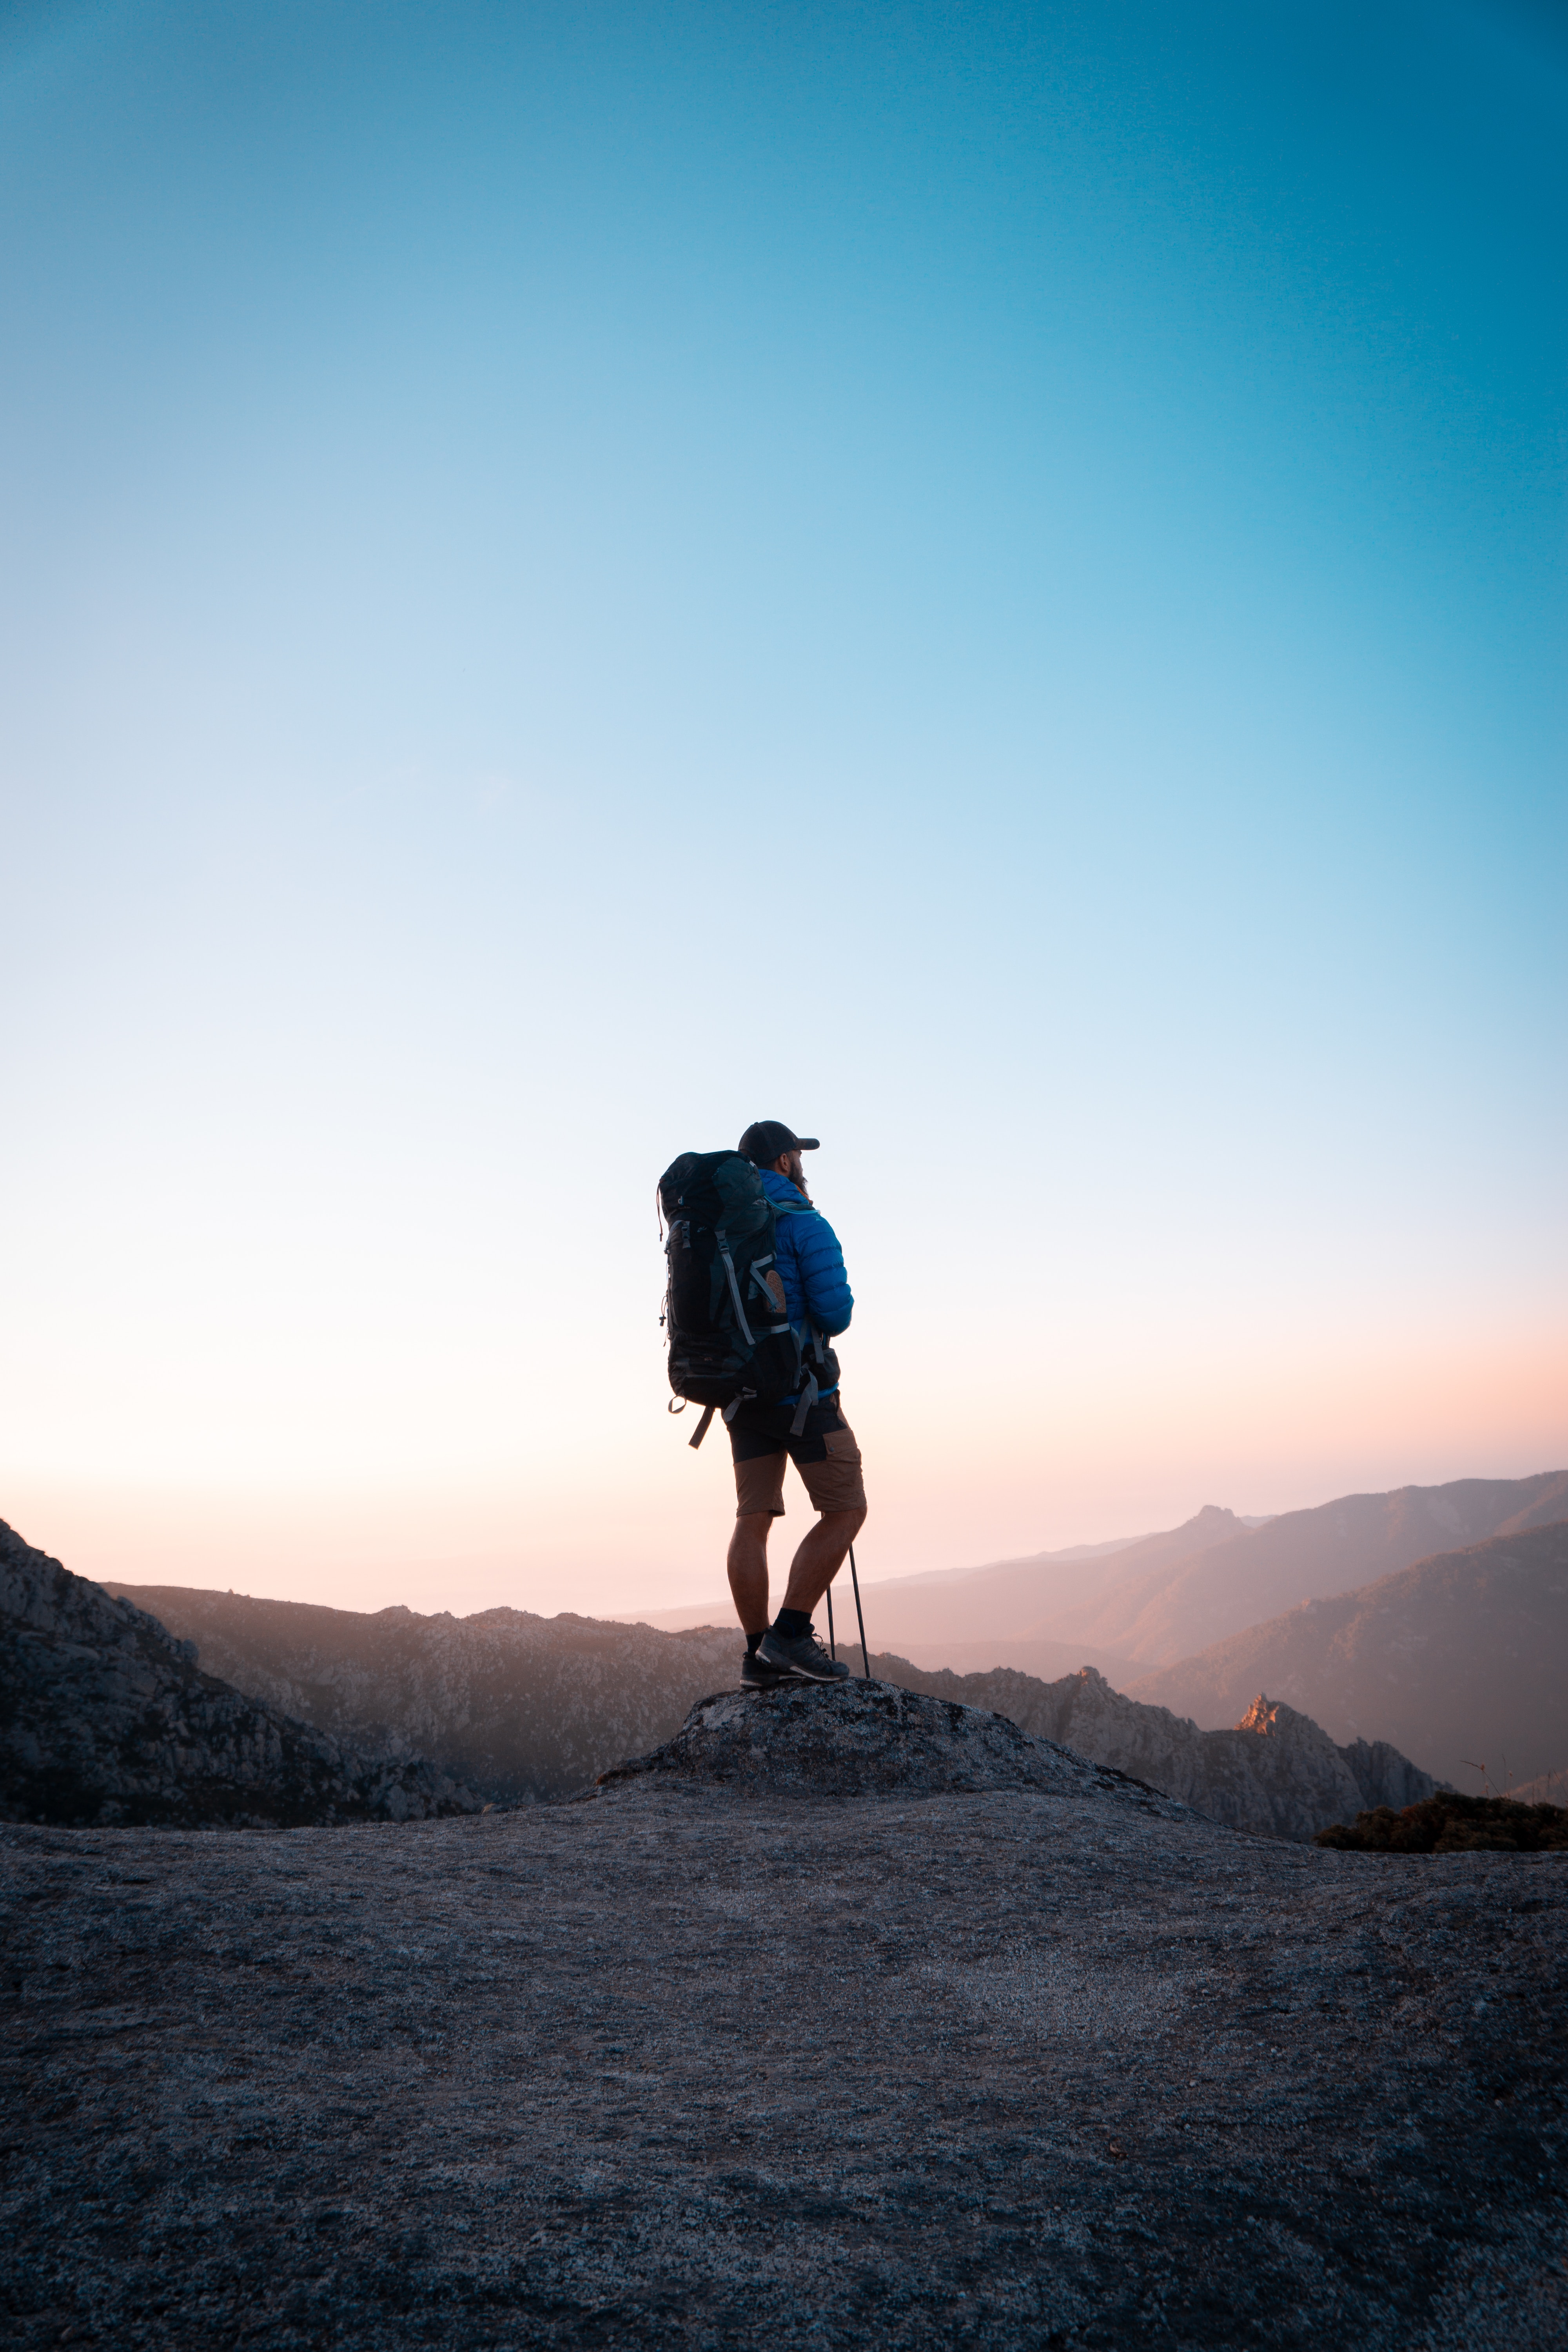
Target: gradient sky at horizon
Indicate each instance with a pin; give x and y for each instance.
(989, 582)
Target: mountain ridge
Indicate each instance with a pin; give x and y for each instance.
(1313, 1554)
(1168, 1596)
(525, 1707)
(927, 1581)
(1462, 1658)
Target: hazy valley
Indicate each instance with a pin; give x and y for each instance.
(1460, 1659)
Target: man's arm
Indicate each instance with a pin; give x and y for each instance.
(829, 1301)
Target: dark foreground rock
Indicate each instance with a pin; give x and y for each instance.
(693, 2064)
(105, 1718)
(873, 1739)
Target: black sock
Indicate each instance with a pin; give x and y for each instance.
(792, 1623)
(751, 1640)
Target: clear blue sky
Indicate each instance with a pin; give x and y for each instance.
(988, 582)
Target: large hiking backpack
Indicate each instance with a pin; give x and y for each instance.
(729, 1338)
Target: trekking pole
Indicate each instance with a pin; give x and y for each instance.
(865, 1653)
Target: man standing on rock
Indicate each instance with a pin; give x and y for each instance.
(818, 1301)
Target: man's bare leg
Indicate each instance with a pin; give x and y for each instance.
(822, 1554)
(748, 1567)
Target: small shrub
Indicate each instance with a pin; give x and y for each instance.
(1449, 1823)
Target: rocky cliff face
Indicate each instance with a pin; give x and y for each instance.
(105, 1718)
(1276, 1774)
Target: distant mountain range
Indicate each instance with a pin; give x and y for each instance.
(1043, 1609)
(1149, 1604)
(1309, 1555)
(707, 1613)
(1459, 1659)
(991, 1602)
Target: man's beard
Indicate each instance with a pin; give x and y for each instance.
(797, 1176)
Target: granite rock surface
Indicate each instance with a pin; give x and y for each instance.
(695, 2064)
(106, 1718)
(872, 1739)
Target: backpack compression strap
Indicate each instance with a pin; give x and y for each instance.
(809, 1397)
(812, 1389)
(735, 1292)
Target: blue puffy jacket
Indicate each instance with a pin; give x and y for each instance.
(809, 1261)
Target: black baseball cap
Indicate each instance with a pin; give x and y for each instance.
(767, 1140)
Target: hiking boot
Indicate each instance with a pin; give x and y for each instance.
(804, 1656)
(756, 1673)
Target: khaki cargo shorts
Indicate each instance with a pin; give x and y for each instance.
(825, 1454)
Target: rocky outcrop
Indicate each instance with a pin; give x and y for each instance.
(1276, 1774)
(872, 1739)
(105, 1718)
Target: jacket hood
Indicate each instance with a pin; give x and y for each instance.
(779, 1188)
